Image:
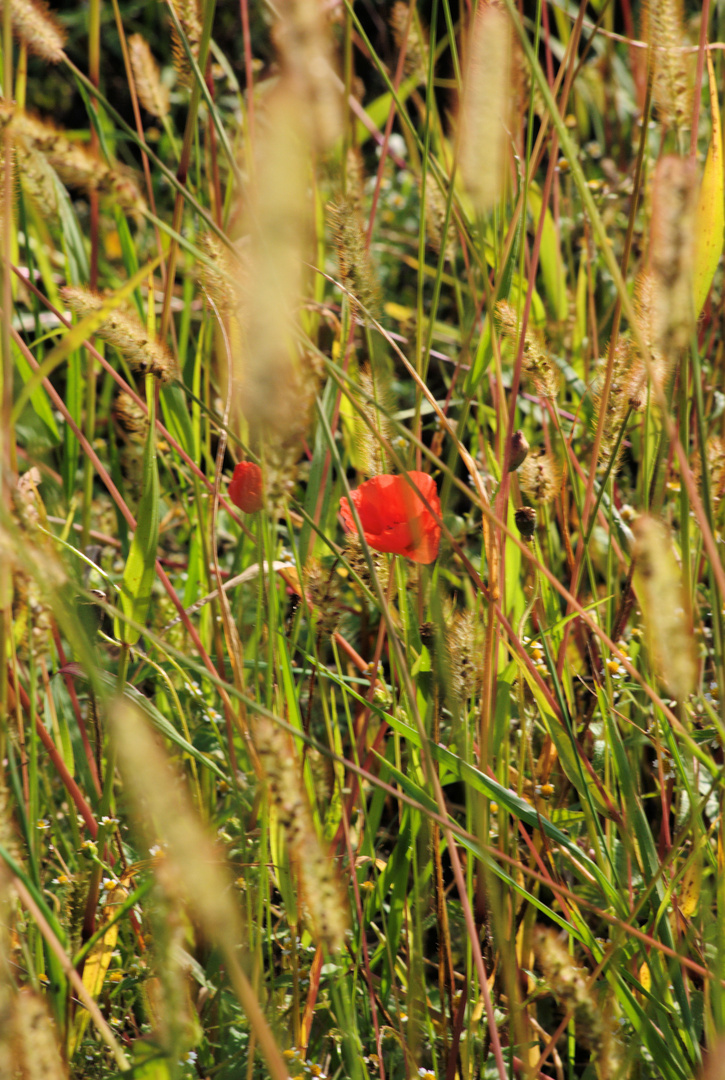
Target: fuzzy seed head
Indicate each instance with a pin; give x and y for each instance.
(539, 477)
(152, 94)
(126, 333)
(486, 106)
(536, 361)
(320, 884)
(303, 39)
(372, 424)
(464, 638)
(626, 391)
(36, 27)
(435, 220)
(668, 625)
(674, 194)
(416, 47)
(322, 586)
(188, 12)
(671, 87)
(353, 256)
(36, 178)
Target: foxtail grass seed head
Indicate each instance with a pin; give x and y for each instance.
(36, 1044)
(319, 880)
(37, 178)
(626, 392)
(674, 194)
(126, 333)
(464, 640)
(193, 866)
(592, 1006)
(353, 256)
(671, 85)
(152, 93)
(355, 180)
(644, 304)
(268, 366)
(539, 477)
(188, 12)
(416, 47)
(322, 585)
(74, 164)
(372, 424)
(659, 589)
(304, 43)
(715, 452)
(130, 417)
(35, 26)
(484, 117)
(536, 362)
(225, 279)
(435, 221)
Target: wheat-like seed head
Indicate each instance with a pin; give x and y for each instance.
(125, 332)
(36, 27)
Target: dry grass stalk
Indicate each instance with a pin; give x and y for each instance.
(660, 591)
(320, 885)
(125, 332)
(152, 93)
(486, 106)
(35, 26)
(674, 195)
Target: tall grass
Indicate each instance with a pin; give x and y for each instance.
(274, 801)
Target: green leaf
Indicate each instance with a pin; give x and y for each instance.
(710, 207)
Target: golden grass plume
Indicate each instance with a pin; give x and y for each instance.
(37, 28)
(125, 332)
(486, 106)
(668, 626)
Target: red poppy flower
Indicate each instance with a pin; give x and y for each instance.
(393, 516)
(245, 488)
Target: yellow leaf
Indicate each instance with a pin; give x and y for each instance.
(96, 966)
(644, 976)
(689, 896)
(710, 207)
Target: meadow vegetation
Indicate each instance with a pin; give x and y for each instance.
(362, 431)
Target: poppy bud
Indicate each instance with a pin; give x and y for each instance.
(245, 488)
(525, 519)
(519, 450)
